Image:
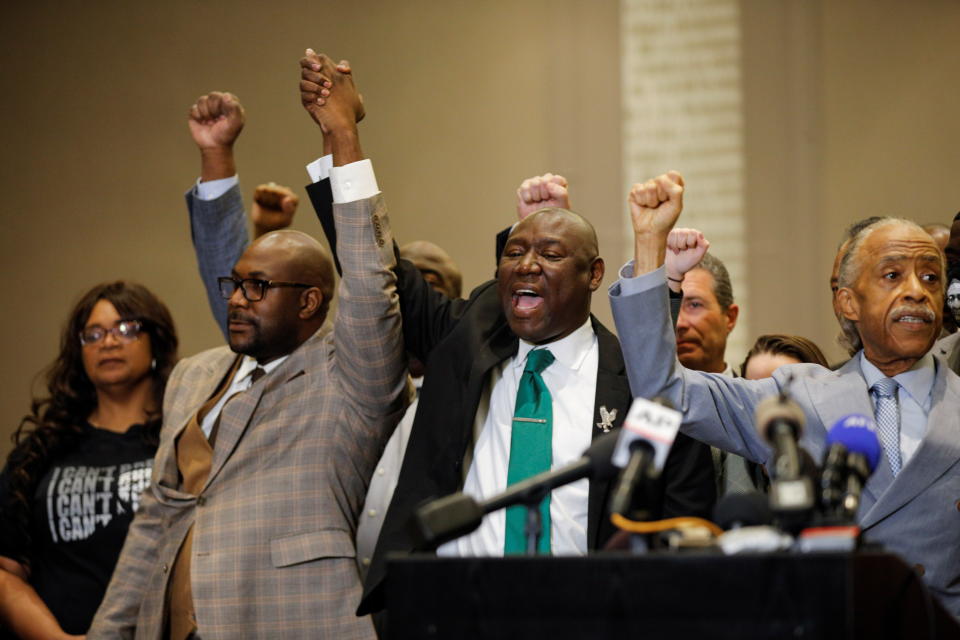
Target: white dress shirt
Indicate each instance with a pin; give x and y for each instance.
(349, 183)
(241, 382)
(572, 381)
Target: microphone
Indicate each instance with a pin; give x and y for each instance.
(853, 453)
(736, 510)
(748, 525)
(646, 437)
(780, 421)
(444, 519)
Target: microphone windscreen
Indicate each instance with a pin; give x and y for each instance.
(859, 435)
(600, 455)
(743, 510)
(778, 409)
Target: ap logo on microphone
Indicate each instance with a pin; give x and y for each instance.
(652, 422)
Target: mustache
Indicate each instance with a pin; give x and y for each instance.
(238, 316)
(924, 313)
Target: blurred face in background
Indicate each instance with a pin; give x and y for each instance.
(703, 325)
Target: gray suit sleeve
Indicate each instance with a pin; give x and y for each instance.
(219, 232)
(367, 331)
(716, 409)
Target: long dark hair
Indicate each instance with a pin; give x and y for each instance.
(56, 422)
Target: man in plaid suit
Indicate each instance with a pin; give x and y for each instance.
(267, 447)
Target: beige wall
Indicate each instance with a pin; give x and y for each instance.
(464, 100)
(851, 111)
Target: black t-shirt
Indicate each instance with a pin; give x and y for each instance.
(80, 513)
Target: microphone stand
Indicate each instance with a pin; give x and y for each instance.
(534, 524)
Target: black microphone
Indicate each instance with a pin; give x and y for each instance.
(444, 519)
(645, 440)
(780, 421)
(852, 455)
(748, 509)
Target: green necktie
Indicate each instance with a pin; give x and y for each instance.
(531, 449)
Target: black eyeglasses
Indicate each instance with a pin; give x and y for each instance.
(253, 288)
(125, 331)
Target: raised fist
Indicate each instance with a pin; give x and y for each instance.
(539, 192)
(328, 93)
(216, 120)
(685, 249)
(656, 204)
(273, 208)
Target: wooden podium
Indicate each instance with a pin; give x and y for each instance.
(686, 595)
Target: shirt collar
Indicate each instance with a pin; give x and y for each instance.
(248, 364)
(569, 351)
(917, 380)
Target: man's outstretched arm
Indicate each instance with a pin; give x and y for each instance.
(217, 224)
(367, 331)
(717, 410)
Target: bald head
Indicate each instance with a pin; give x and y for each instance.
(299, 257)
(577, 228)
(436, 265)
(295, 285)
(547, 272)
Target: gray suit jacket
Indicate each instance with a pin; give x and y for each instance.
(273, 551)
(949, 349)
(916, 515)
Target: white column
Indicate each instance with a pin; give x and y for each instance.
(683, 110)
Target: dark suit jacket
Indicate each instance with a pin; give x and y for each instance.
(461, 341)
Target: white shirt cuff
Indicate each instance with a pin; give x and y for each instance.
(213, 189)
(354, 181)
(644, 282)
(319, 169)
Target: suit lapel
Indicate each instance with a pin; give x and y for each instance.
(197, 385)
(938, 451)
(238, 412)
(837, 396)
(501, 345)
(612, 395)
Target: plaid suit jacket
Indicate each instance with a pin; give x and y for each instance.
(273, 547)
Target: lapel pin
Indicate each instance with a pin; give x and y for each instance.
(606, 419)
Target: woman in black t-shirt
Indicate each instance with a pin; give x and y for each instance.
(81, 460)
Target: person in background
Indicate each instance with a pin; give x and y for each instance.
(274, 206)
(939, 232)
(773, 350)
(82, 457)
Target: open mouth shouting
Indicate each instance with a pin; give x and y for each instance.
(526, 300)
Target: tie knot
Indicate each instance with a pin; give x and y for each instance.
(538, 360)
(885, 387)
(256, 374)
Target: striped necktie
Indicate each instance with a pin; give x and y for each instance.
(888, 419)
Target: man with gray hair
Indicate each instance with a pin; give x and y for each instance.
(707, 316)
(891, 294)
